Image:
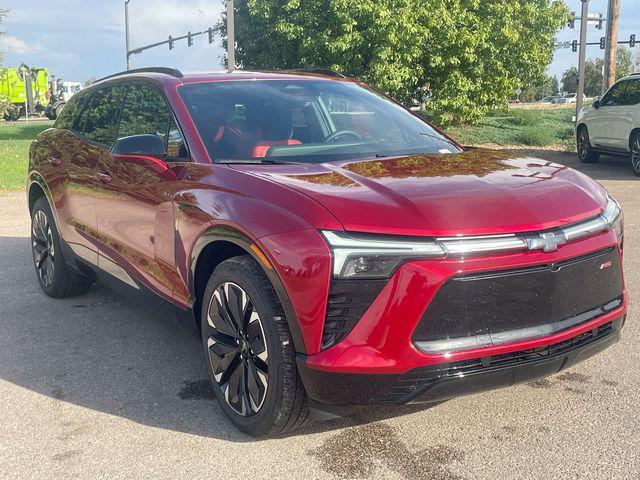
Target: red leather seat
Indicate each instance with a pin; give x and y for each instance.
(277, 129)
(263, 146)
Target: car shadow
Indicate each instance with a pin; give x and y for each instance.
(607, 168)
(106, 353)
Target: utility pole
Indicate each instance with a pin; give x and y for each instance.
(611, 45)
(126, 32)
(231, 40)
(582, 54)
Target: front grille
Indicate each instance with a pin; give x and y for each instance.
(347, 302)
(422, 377)
(505, 306)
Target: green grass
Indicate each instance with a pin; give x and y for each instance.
(14, 152)
(543, 127)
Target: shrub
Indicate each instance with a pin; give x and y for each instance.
(537, 135)
(526, 117)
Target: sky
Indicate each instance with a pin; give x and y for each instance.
(79, 39)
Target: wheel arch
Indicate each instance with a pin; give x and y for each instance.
(216, 245)
(37, 189)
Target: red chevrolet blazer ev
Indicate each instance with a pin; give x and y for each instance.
(335, 249)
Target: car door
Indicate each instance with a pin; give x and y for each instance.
(625, 119)
(603, 130)
(134, 205)
(97, 126)
(66, 164)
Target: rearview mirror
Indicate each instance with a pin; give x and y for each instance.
(145, 144)
(596, 103)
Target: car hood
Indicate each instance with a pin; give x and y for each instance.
(472, 193)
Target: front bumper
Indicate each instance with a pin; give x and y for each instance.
(443, 381)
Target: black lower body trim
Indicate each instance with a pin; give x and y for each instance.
(443, 381)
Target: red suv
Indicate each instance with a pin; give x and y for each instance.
(333, 248)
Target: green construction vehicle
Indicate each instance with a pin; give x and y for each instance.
(31, 96)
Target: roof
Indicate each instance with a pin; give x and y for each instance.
(164, 74)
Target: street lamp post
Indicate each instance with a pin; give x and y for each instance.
(231, 41)
(581, 55)
(126, 32)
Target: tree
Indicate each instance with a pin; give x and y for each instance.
(624, 61)
(473, 54)
(532, 93)
(593, 74)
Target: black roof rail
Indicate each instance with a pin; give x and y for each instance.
(166, 70)
(319, 70)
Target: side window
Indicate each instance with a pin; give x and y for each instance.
(68, 118)
(101, 121)
(633, 91)
(615, 96)
(176, 148)
(145, 112)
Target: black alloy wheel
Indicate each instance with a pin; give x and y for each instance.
(55, 277)
(634, 144)
(237, 349)
(249, 350)
(586, 154)
(43, 247)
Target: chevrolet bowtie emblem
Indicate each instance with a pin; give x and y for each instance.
(547, 242)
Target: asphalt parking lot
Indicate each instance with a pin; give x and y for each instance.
(98, 387)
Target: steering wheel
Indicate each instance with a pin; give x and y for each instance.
(333, 138)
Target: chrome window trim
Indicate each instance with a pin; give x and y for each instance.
(345, 245)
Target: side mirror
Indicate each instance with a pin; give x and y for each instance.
(145, 144)
(596, 103)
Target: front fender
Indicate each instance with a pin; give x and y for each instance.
(234, 236)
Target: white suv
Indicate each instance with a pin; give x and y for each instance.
(612, 124)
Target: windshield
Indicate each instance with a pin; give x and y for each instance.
(306, 121)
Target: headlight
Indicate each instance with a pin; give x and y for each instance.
(357, 255)
(613, 216)
(361, 257)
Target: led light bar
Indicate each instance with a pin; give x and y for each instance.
(356, 255)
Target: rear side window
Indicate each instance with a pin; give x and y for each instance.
(616, 95)
(101, 121)
(632, 92)
(145, 111)
(70, 116)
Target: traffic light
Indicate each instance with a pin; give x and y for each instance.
(600, 22)
(170, 42)
(632, 40)
(574, 46)
(571, 21)
(189, 39)
(601, 43)
(210, 35)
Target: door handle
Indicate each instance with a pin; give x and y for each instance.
(55, 161)
(104, 177)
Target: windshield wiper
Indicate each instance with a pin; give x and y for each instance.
(257, 161)
(435, 137)
(273, 161)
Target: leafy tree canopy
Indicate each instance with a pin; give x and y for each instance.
(548, 86)
(593, 73)
(472, 54)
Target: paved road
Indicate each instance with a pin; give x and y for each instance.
(96, 387)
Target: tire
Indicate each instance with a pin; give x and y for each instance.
(58, 110)
(634, 146)
(586, 154)
(12, 115)
(54, 277)
(251, 362)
